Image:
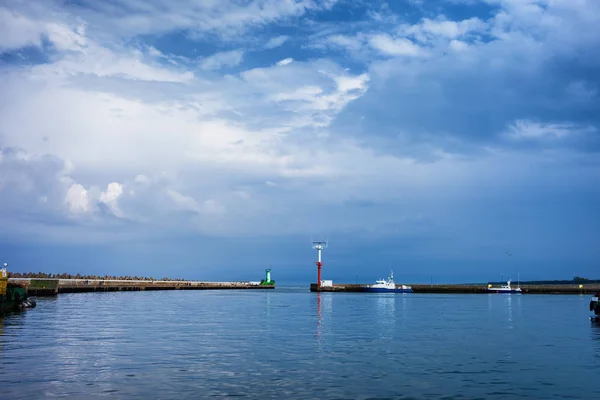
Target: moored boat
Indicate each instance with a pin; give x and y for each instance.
(12, 297)
(505, 288)
(387, 286)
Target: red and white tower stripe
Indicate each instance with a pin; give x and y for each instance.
(319, 246)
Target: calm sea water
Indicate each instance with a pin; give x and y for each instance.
(291, 344)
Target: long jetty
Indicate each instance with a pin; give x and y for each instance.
(49, 287)
(470, 288)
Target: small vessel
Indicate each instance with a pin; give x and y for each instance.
(387, 286)
(595, 307)
(504, 288)
(12, 297)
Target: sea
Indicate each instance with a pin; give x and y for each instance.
(289, 343)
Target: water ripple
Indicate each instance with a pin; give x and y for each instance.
(293, 344)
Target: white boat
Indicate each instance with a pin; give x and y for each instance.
(505, 288)
(387, 286)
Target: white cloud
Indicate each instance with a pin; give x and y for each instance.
(458, 45)
(276, 41)
(347, 42)
(390, 46)
(86, 202)
(66, 38)
(17, 31)
(111, 196)
(36, 184)
(285, 61)
(222, 59)
(132, 118)
(80, 55)
(77, 199)
(362, 45)
(365, 47)
(444, 28)
(412, 40)
(142, 179)
(101, 62)
(225, 17)
(349, 83)
(306, 94)
(185, 203)
(193, 151)
(524, 129)
(316, 103)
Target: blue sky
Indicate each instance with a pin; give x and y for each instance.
(210, 139)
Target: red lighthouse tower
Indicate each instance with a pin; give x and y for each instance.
(319, 246)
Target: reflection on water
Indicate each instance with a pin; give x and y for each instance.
(319, 315)
(510, 311)
(404, 308)
(10, 325)
(324, 308)
(595, 324)
(386, 303)
(595, 334)
(268, 304)
(386, 314)
(503, 306)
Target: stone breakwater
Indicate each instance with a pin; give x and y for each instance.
(48, 287)
(471, 289)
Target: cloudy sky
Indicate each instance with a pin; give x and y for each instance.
(209, 139)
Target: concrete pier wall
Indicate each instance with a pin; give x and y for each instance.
(49, 287)
(470, 289)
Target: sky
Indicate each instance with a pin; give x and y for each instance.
(448, 140)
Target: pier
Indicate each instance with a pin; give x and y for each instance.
(469, 288)
(530, 287)
(51, 287)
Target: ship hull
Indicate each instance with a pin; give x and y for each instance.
(503, 291)
(385, 290)
(14, 298)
